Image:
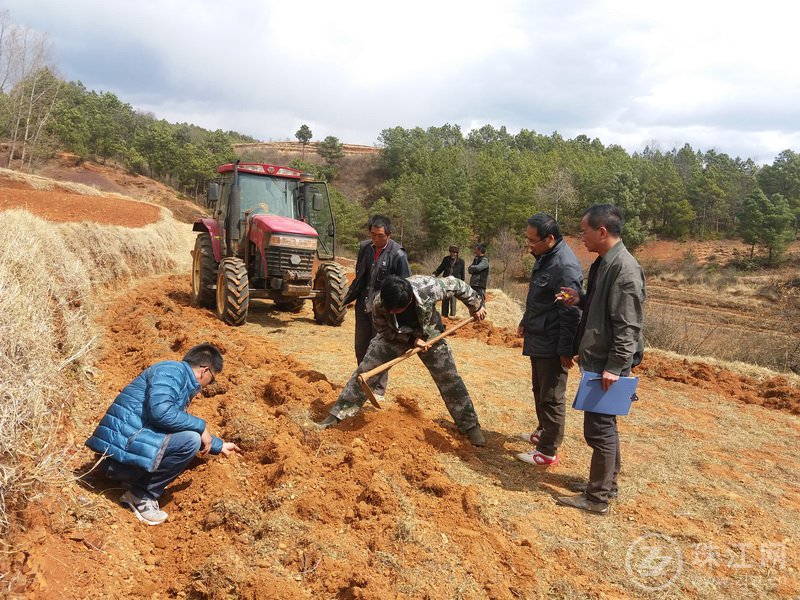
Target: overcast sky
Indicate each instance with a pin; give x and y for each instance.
(721, 75)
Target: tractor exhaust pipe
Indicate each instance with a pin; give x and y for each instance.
(234, 208)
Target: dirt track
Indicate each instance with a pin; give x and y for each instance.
(395, 503)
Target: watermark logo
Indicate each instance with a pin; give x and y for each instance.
(654, 562)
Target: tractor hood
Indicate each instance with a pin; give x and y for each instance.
(265, 225)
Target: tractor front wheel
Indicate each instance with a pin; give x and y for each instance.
(329, 308)
(233, 291)
(204, 272)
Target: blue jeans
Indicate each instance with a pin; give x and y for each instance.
(180, 450)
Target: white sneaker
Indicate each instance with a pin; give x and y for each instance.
(378, 397)
(531, 438)
(146, 510)
(536, 458)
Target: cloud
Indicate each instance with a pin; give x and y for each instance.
(722, 74)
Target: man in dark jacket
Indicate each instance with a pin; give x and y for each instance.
(378, 257)
(548, 328)
(479, 272)
(453, 266)
(148, 438)
(610, 343)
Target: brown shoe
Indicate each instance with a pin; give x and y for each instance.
(476, 436)
(581, 502)
(580, 486)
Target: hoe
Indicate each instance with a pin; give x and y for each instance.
(364, 377)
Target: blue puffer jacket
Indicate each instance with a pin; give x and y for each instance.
(136, 426)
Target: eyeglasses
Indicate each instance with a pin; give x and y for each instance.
(213, 376)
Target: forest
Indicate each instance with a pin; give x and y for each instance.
(441, 185)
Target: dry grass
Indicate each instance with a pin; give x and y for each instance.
(671, 329)
(502, 310)
(48, 274)
(733, 315)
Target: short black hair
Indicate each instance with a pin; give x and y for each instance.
(605, 215)
(380, 221)
(545, 225)
(481, 247)
(396, 292)
(205, 355)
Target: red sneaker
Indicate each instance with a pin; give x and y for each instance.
(532, 437)
(534, 457)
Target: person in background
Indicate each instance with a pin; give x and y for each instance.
(405, 318)
(548, 328)
(378, 257)
(146, 436)
(610, 343)
(451, 265)
(479, 272)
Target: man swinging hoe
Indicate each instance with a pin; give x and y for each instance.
(405, 318)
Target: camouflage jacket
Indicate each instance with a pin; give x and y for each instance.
(428, 291)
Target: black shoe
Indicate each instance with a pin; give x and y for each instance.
(580, 487)
(476, 436)
(328, 421)
(580, 501)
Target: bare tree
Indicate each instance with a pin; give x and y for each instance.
(6, 49)
(28, 85)
(506, 250)
(558, 192)
(41, 94)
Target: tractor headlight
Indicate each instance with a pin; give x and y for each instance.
(293, 241)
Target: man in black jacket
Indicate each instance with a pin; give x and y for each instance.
(451, 265)
(548, 328)
(378, 257)
(479, 272)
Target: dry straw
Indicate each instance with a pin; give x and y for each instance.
(48, 274)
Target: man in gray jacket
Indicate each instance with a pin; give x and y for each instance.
(610, 343)
(548, 328)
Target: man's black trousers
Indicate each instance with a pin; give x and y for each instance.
(549, 383)
(600, 432)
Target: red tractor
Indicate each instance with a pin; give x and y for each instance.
(272, 235)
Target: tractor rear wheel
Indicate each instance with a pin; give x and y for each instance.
(329, 308)
(292, 306)
(204, 272)
(233, 291)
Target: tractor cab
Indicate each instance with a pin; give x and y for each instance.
(246, 189)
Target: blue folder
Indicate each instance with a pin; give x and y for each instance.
(616, 401)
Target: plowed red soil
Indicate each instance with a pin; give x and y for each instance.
(395, 503)
(104, 178)
(68, 207)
